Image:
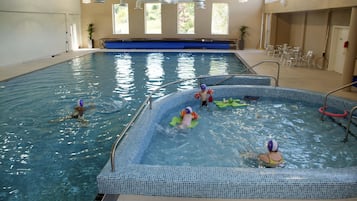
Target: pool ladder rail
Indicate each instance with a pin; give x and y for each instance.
(349, 123)
(350, 117)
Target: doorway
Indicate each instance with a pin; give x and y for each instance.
(74, 37)
(337, 50)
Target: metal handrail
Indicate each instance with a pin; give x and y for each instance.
(270, 61)
(324, 107)
(149, 100)
(349, 123)
(122, 134)
(251, 75)
(276, 79)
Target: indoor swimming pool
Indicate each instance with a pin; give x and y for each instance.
(43, 159)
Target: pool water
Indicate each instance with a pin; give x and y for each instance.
(44, 160)
(232, 137)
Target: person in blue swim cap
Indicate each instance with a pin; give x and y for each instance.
(205, 95)
(78, 110)
(273, 158)
(203, 87)
(80, 103)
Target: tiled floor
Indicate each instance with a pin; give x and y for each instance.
(293, 77)
(312, 79)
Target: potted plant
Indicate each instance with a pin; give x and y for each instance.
(90, 35)
(242, 34)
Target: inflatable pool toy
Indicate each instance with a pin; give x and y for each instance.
(324, 112)
(177, 121)
(230, 102)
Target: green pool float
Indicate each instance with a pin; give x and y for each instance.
(229, 102)
(177, 121)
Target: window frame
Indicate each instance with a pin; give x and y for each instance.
(146, 21)
(114, 21)
(213, 17)
(192, 6)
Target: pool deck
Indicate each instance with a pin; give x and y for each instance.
(292, 77)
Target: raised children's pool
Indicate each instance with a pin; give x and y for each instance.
(206, 161)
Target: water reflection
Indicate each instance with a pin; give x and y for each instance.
(155, 73)
(124, 76)
(218, 66)
(185, 70)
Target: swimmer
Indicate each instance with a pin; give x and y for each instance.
(78, 113)
(78, 110)
(205, 95)
(273, 158)
(187, 116)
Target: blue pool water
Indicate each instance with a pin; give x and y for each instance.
(40, 160)
(232, 137)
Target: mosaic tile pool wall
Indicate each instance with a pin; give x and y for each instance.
(131, 177)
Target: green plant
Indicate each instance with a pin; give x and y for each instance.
(243, 31)
(90, 30)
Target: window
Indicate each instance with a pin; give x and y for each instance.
(153, 18)
(186, 18)
(270, 1)
(219, 23)
(120, 19)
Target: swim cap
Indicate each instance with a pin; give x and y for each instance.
(188, 110)
(80, 103)
(272, 145)
(203, 86)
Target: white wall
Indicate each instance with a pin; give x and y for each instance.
(35, 29)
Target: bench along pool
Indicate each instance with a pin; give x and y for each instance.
(208, 160)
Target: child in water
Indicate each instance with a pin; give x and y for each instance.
(78, 110)
(205, 95)
(77, 113)
(273, 158)
(187, 116)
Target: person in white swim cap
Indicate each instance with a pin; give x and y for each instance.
(272, 146)
(273, 158)
(187, 116)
